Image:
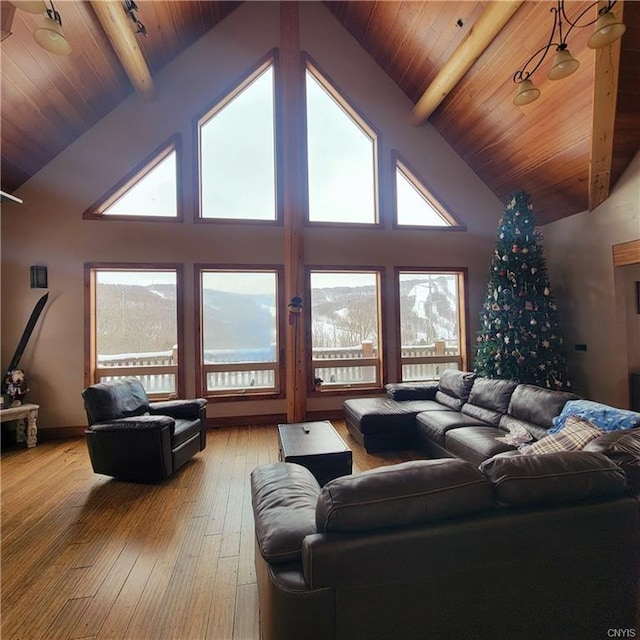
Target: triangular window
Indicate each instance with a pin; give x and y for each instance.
(237, 153)
(151, 192)
(341, 157)
(415, 204)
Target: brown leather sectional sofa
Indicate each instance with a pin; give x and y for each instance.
(479, 543)
(459, 416)
(522, 548)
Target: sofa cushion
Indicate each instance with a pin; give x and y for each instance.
(412, 390)
(489, 399)
(116, 399)
(434, 424)
(380, 415)
(454, 387)
(553, 477)
(402, 494)
(601, 415)
(185, 430)
(534, 406)
(284, 497)
(575, 435)
(475, 444)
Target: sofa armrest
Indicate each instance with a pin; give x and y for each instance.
(135, 423)
(623, 448)
(284, 497)
(411, 390)
(187, 409)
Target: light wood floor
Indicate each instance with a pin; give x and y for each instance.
(85, 556)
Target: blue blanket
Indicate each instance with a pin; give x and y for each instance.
(601, 415)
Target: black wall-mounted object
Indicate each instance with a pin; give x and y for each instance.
(39, 278)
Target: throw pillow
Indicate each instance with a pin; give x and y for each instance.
(601, 415)
(575, 435)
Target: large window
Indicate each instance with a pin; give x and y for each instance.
(341, 158)
(240, 341)
(150, 191)
(237, 153)
(134, 326)
(345, 328)
(432, 336)
(416, 205)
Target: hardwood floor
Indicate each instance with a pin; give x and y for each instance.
(85, 556)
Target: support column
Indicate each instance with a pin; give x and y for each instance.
(292, 110)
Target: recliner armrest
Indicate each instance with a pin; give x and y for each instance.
(187, 409)
(135, 423)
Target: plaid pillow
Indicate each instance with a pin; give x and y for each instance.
(575, 435)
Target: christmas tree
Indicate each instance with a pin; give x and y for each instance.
(519, 337)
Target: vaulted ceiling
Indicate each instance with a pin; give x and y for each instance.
(567, 149)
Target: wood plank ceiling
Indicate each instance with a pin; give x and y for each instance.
(544, 147)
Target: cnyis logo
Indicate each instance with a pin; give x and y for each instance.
(621, 633)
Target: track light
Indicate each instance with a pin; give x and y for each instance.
(608, 29)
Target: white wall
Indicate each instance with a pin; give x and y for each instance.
(48, 229)
(592, 296)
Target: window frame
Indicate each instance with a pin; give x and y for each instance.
(347, 105)
(279, 367)
(463, 324)
(160, 153)
(378, 362)
(222, 99)
(93, 373)
(423, 188)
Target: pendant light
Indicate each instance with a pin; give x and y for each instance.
(48, 34)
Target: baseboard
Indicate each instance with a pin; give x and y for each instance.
(59, 433)
(238, 421)
(281, 418)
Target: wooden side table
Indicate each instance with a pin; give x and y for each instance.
(26, 417)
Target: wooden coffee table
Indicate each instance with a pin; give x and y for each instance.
(316, 446)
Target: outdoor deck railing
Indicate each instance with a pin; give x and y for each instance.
(263, 377)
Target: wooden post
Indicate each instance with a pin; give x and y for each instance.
(291, 97)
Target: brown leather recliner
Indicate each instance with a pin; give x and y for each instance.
(133, 439)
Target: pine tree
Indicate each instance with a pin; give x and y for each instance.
(519, 338)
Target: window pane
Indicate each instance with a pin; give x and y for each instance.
(341, 162)
(158, 383)
(412, 207)
(230, 380)
(346, 375)
(413, 372)
(237, 150)
(136, 321)
(239, 317)
(344, 315)
(429, 314)
(155, 194)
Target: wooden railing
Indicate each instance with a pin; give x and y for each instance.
(256, 369)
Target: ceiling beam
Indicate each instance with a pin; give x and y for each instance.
(117, 26)
(605, 94)
(494, 17)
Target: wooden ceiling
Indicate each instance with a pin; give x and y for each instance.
(547, 147)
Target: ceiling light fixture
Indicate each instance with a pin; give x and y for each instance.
(608, 29)
(48, 34)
